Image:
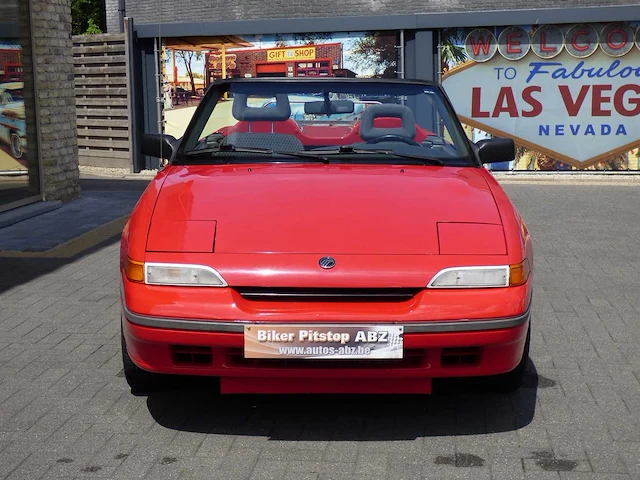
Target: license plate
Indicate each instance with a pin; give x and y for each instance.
(323, 342)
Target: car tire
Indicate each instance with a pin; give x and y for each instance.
(15, 143)
(512, 381)
(138, 379)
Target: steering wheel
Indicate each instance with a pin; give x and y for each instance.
(395, 138)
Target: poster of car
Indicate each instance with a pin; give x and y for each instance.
(568, 95)
(13, 126)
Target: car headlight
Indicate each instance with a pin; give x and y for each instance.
(482, 277)
(471, 277)
(182, 275)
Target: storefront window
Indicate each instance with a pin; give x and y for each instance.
(338, 54)
(19, 166)
(313, 69)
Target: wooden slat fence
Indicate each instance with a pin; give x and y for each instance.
(102, 100)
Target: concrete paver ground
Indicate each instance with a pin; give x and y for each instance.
(101, 202)
(66, 411)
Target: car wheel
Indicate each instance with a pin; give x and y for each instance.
(138, 379)
(15, 141)
(512, 381)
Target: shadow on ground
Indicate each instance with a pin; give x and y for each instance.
(457, 407)
(110, 184)
(18, 270)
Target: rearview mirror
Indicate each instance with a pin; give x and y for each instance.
(496, 150)
(337, 106)
(158, 145)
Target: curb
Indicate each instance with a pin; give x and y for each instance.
(76, 245)
(17, 215)
(612, 179)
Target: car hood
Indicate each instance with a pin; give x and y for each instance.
(325, 209)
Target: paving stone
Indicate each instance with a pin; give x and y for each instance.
(372, 464)
(301, 476)
(507, 469)
(593, 476)
(66, 411)
(28, 470)
(606, 460)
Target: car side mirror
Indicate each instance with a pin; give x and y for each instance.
(158, 145)
(496, 150)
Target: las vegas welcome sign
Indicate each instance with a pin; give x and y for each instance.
(572, 93)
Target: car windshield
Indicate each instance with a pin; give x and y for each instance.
(334, 121)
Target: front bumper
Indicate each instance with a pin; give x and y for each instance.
(432, 349)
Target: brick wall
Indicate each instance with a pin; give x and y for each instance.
(334, 52)
(51, 22)
(165, 11)
(113, 16)
(247, 60)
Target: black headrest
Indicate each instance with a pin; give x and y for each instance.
(369, 132)
(241, 111)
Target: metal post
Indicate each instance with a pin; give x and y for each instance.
(223, 58)
(223, 64)
(131, 98)
(158, 74)
(174, 72)
(400, 71)
(401, 55)
(121, 14)
(438, 68)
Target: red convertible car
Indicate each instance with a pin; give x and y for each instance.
(366, 255)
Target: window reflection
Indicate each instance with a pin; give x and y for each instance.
(19, 166)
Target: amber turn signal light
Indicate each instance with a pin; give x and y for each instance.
(519, 273)
(134, 270)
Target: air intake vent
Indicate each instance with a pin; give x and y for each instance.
(461, 357)
(371, 295)
(188, 355)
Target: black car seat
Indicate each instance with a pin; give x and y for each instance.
(281, 142)
(372, 134)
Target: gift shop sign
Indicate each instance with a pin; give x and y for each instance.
(572, 94)
(284, 54)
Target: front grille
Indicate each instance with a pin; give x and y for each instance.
(371, 295)
(412, 358)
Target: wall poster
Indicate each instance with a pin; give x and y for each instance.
(569, 95)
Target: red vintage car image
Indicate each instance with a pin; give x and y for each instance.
(346, 250)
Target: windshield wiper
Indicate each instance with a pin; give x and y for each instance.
(225, 148)
(348, 150)
(317, 155)
(265, 151)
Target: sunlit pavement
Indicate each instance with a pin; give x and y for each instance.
(66, 411)
(176, 121)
